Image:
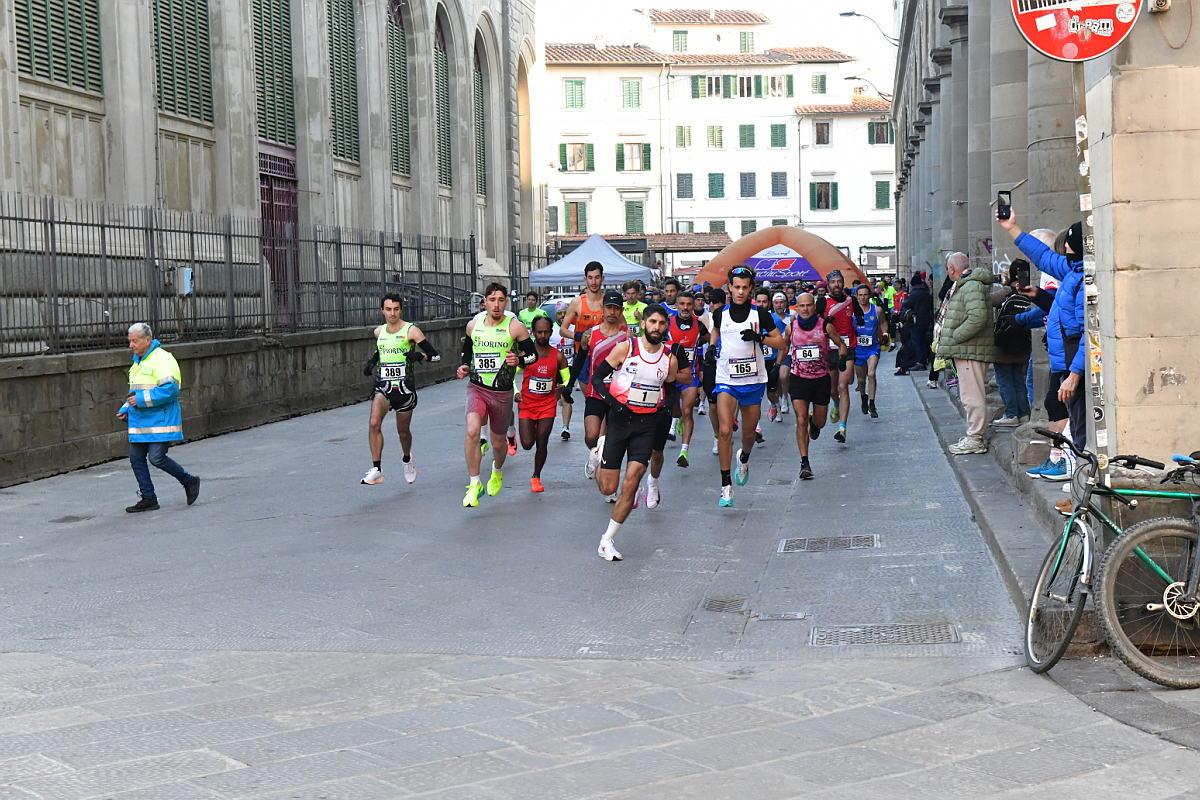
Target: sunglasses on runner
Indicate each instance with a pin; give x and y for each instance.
(741, 272)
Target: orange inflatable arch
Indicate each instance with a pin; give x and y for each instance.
(823, 256)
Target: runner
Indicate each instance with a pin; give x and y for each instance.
(871, 333)
(566, 346)
(809, 337)
(671, 289)
(783, 315)
(837, 307)
(531, 311)
(667, 422)
(690, 333)
(739, 373)
(395, 343)
(538, 396)
(489, 360)
(638, 370)
(634, 305)
(762, 299)
(601, 340)
(584, 313)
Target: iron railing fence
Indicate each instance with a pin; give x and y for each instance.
(523, 259)
(74, 275)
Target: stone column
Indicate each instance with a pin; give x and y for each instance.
(131, 103)
(1053, 174)
(979, 137)
(943, 206)
(374, 119)
(955, 18)
(10, 103)
(314, 150)
(1009, 105)
(235, 126)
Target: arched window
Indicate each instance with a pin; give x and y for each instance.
(481, 160)
(441, 111)
(397, 43)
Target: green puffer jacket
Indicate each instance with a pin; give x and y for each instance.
(967, 327)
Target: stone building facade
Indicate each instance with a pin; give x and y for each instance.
(977, 110)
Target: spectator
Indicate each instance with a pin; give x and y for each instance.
(1014, 345)
(934, 371)
(916, 316)
(966, 336)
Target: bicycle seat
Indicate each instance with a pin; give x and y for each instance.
(1179, 458)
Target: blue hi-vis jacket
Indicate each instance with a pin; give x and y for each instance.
(154, 381)
(1066, 315)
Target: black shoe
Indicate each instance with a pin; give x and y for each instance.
(566, 436)
(144, 504)
(192, 489)
(758, 438)
(871, 408)
(814, 432)
(670, 437)
(863, 396)
(840, 435)
(806, 473)
(919, 367)
(900, 372)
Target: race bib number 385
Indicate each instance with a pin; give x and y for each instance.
(487, 363)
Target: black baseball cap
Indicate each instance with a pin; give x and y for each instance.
(613, 298)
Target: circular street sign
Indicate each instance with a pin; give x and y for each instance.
(1075, 30)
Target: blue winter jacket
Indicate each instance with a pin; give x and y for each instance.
(1066, 315)
(154, 380)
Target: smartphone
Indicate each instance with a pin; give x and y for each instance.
(1003, 205)
(1020, 272)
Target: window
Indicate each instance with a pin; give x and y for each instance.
(576, 218)
(683, 136)
(716, 137)
(822, 132)
(823, 196)
(685, 226)
(631, 92)
(883, 195)
(779, 184)
(748, 182)
(749, 226)
(777, 85)
(60, 41)
(746, 42)
(716, 185)
(880, 133)
(573, 92)
(576, 157)
(634, 214)
(716, 226)
(779, 135)
(745, 136)
(275, 94)
(343, 78)
(183, 58)
(552, 219)
(480, 124)
(397, 55)
(633, 157)
(683, 186)
(779, 221)
(818, 83)
(441, 107)
(745, 86)
(679, 41)
(714, 86)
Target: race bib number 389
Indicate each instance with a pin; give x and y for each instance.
(391, 372)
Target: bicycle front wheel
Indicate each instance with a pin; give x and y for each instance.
(1056, 604)
(1139, 597)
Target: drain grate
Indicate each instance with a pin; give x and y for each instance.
(784, 616)
(933, 633)
(70, 518)
(823, 544)
(725, 604)
(778, 482)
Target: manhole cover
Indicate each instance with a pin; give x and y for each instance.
(824, 544)
(70, 518)
(784, 616)
(721, 604)
(934, 633)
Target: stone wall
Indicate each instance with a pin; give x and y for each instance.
(58, 411)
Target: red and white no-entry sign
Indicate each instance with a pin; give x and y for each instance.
(1075, 30)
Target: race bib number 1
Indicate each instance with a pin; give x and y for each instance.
(485, 364)
(643, 396)
(392, 372)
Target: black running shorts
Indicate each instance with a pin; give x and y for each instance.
(630, 437)
(809, 390)
(398, 400)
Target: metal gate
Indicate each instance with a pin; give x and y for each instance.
(280, 219)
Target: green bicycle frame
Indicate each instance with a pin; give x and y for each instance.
(1117, 530)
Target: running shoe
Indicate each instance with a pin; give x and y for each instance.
(758, 437)
(899, 372)
(566, 435)
(1036, 472)
(1007, 422)
(872, 410)
(611, 499)
(679, 427)
(653, 496)
(1066, 506)
(512, 445)
(607, 551)
(968, 445)
(773, 413)
(741, 472)
(702, 409)
(833, 411)
(715, 446)
(726, 500)
(471, 498)
(785, 407)
(639, 496)
(932, 384)
(682, 461)
(410, 471)
(814, 432)
(806, 473)
(374, 477)
(1056, 471)
(863, 397)
(484, 446)
(495, 482)
(593, 461)
(671, 435)
(535, 485)
(840, 435)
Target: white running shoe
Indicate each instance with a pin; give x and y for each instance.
(410, 471)
(741, 472)
(374, 477)
(638, 496)
(715, 450)
(607, 551)
(652, 495)
(589, 469)
(612, 498)
(1006, 422)
(785, 407)
(726, 499)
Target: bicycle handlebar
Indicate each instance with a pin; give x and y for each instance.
(1130, 461)
(1138, 461)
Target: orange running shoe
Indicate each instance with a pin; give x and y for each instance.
(535, 485)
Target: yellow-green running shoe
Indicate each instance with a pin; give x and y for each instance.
(833, 412)
(471, 498)
(495, 483)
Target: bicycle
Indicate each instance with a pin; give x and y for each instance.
(1145, 589)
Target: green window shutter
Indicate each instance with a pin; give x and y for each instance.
(591, 158)
(745, 136)
(562, 157)
(274, 85)
(726, 86)
(891, 133)
(343, 78)
(833, 199)
(883, 191)
(680, 138)
(758, 85)
(646, 157)
(480, 132)
(819, 83)
(812, 197)
(749, 226)
(59, 40)
(779, 135)
(870, 133)
(397, 42)
(552, 219)
(581, 216)
(716, 226)
(634, 217)
(441, 109)
(779, 221)
(696, 82)
(791, 86)
(183, 58)
(716, 184)
(620, 158)
(746, 42)
(679, 41)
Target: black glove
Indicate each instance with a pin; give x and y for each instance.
(369, 365)
(843, 360)
(415, 356)
(751, 335)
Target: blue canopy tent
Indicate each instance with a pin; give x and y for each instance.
(568, 271)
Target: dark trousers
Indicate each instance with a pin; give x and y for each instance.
(156, 454)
